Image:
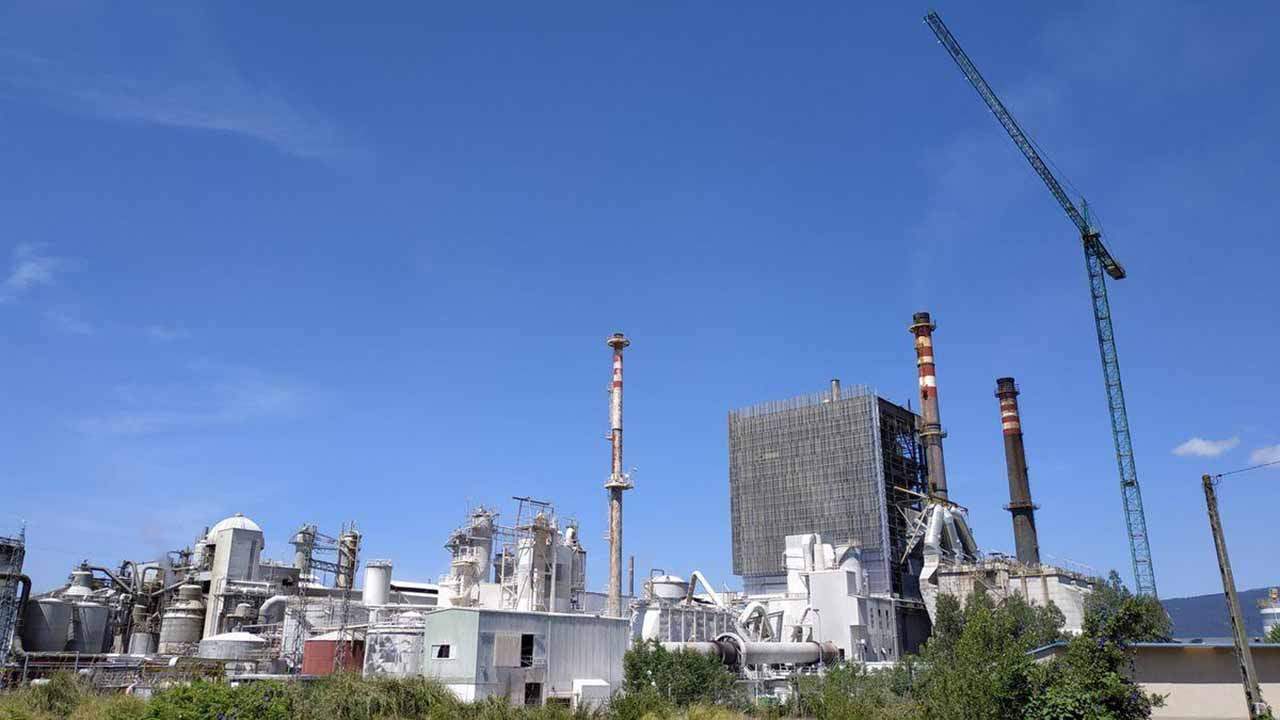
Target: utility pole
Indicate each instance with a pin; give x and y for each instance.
(1252, 693)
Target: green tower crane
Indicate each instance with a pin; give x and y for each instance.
(1100, 264)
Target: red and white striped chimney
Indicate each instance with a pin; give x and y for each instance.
(931, 433)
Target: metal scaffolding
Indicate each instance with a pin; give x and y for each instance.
(12, 551)
(830, 463)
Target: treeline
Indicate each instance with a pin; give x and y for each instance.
(975, 666)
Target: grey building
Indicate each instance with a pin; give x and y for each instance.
(843, 464)
(528, 658)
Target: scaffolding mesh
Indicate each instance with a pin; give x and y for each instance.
(818, 464)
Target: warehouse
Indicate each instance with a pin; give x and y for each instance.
(528, 658)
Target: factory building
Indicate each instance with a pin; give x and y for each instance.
(15, 587)
(527, 658)
(844, 465)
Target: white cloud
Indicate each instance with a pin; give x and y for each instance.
(1268, 454)
(69, 321)
(30, 267)
(233, 397)
(1199, 447)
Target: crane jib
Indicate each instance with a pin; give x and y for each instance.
(1100, 264)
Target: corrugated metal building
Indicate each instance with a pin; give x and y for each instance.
(526, 657)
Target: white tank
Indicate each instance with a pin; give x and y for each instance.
(232, 646)
(668, 587)
(395, 648)
(46, 626)
(377, 583)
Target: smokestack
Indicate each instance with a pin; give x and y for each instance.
(631, 576)
(1015, 457)
(930, 425)
(618, 480)
(835, 389)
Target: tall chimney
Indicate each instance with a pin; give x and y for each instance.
(1015, 458)
(618, 480)
(930, 425)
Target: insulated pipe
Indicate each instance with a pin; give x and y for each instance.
(1015, 459)
(835, 389)
(618, 481)
(931, 434)
(734, 651)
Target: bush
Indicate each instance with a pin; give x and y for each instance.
(679, 678)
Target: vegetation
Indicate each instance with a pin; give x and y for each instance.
(1273, 636)
(976, 666)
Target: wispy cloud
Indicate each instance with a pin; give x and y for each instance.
(1200, 447)
(1268, 454)
(166, 333)
(216, 398)
(30, 267)
(68, 320)
(192, 83)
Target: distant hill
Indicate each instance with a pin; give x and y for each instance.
(1205, 616)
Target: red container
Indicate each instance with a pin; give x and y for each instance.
(325, 656)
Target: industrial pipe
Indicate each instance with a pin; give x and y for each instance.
(734, 651)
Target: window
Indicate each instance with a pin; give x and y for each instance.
(532, 691)
(440, 652)
(526, 654)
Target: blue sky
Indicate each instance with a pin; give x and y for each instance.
(324, 264)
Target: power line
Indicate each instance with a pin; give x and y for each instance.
(1247, 469)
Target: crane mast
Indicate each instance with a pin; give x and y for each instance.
(1099, 263)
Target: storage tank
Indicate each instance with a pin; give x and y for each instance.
(377, 583)
(1270, 610)
(89, 627)
(232, 646)
(182, 624)
(332, 652)
(668, 587)
(395, 649)
(142, 636)
(46, 625)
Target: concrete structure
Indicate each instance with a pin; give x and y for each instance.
(931, 434)
(1001, 577)
(672, 611)
(1015, 458)
(1199, 681)
(619, 480)
(525, 658)
(230, 553)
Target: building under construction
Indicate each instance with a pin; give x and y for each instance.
(844, 464)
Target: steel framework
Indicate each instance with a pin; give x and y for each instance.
(827, 463)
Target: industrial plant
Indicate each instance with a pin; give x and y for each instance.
(844, 533)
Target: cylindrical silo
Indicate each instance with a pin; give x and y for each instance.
(89, 627)
(182, 624)
(377, 583)
(46, 626)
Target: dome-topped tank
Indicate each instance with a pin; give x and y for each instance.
(232, 646)
(235, 522)
(668, 587)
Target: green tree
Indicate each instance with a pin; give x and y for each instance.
(1273, 635)
(1145, 619)
(681, 678)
